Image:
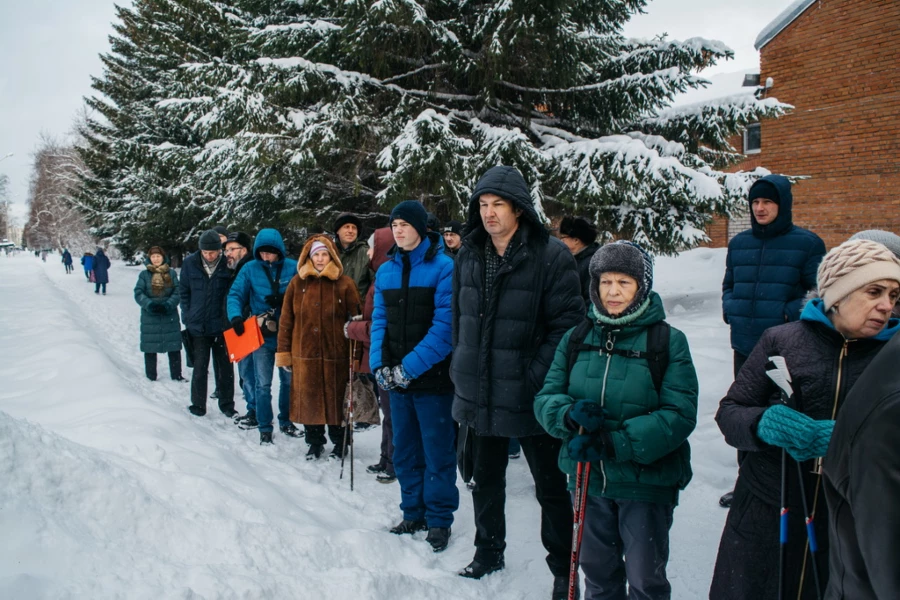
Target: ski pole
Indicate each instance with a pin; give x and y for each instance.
(582, 478)
(810, 534)
(348, 421)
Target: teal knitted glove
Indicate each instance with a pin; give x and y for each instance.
(802, 436)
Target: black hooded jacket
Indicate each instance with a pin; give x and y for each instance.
(503, 345)
(862, 485)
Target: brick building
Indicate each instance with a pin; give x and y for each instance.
(838, 63)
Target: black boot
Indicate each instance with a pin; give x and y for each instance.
(315, 451)
(265, 438)
(248, 421)
(561, 588)
(196, 410)
(405, 526)
(725, 500)
(386, 477)
(150, 365)
(477, 570)
(439, 538)
(376, 468)
(292, 431)
(338, 453)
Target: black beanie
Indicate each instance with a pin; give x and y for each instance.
(209, 240)
(764, 189)
(580, 228)
(432, 222)
(345, 218)
(241, 238)
(622, 257)
(452, 227)
(413, 213)
(220, 229)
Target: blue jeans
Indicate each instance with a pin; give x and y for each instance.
(635, 531)
(264, 365)
(247, 373)
(425, 456)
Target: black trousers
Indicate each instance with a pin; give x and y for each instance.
(491, 456)
(174, 365)
(315, 434)
(739, 360)
(203, 347)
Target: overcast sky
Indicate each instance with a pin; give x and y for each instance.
(49, 51)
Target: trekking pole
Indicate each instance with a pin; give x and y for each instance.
(348, 422)
(810, 535)
(783, 538)
(582, 478)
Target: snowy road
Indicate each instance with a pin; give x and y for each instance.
(110, 489)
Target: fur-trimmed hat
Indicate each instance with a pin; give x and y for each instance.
(580, 228)
(852, 265)
(622, 257)
(239, 237)
(347, 217)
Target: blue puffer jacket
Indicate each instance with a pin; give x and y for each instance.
(254, 282)
(201, 296)
(412, 315)
(768, 271)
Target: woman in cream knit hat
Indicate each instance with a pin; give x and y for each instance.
(826, 351)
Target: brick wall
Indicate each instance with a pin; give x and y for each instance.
(839, 65)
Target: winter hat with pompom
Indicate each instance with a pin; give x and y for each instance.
(622, 257)
(852, 265)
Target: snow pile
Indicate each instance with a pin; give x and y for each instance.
(112, 490)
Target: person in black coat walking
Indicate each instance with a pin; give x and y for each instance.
(826, 351)
(67, 261)
(100, 267)
(580, 237)
(862, 486)
(516, 292)
(205, 279)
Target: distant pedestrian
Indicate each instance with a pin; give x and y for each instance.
(156, 292)
(67, 261)
(87, 262)
(100, 268)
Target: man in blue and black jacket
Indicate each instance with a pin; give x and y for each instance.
(260, 287)
(769, 269)
(410, 356)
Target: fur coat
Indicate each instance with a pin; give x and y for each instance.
(311, 337)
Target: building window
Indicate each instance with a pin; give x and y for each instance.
(752, 139)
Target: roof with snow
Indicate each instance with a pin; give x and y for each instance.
(781, 21)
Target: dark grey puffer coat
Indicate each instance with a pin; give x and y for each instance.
(503, 345)
(159, 332)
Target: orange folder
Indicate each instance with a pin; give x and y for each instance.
(241, 346)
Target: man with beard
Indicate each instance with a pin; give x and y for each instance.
(237, 253)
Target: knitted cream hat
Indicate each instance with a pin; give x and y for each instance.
(852, 265)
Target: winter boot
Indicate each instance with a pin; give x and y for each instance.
(470, 485)
(196, 411)
(315, 451)
(150, 366)
(292, 431)
(376, 468)
(438, 537)
(477, 570)
(339, 451)
(248, 421)
(265, 438)
(385, 477)
(215, 395)
(726, 499)
(230, 413)
(561, 588)
(405, 526)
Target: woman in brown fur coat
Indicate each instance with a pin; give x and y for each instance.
(312, 345)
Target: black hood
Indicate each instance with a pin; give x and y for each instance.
(785, 219)
(509, 184)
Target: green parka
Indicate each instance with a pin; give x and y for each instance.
(355, 259)
(649, 431)
(160, 333)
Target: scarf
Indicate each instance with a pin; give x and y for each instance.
(210, 267)
(160, 279)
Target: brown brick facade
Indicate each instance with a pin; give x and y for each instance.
(838, 63)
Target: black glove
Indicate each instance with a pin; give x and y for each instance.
(157, 309)
(274, 300)
(237, 324)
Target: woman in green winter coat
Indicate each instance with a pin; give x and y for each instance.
(156, 291)
(631, 428)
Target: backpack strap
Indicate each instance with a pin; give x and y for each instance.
(656, 354)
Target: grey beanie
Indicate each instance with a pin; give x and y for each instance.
(622, 257)
(209, 240)
(889, 240)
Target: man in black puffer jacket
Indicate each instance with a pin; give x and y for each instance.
(516, 292)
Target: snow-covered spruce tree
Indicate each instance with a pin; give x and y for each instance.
(356, 100)
(141, 190)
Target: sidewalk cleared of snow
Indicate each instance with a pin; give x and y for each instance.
(112, 490)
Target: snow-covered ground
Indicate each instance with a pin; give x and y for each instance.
(109, 488)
